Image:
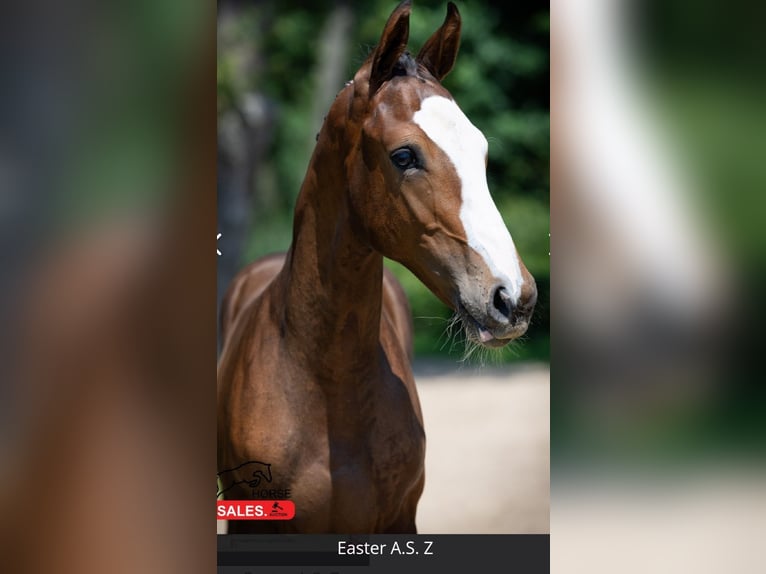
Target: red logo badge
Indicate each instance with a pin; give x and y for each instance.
(255, 509)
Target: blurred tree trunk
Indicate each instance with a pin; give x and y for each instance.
(331, 65)
(245, 133)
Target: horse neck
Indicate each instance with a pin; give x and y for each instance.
(332, 280)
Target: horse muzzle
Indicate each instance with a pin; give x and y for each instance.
(499, 320)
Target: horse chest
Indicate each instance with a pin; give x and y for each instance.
(376, 449)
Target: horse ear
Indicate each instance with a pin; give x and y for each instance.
(393, 43)
(439, 52)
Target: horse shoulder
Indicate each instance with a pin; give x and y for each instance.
(249, 373)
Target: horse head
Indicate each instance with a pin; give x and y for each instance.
(417, 185)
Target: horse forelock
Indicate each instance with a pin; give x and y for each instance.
(407, 66)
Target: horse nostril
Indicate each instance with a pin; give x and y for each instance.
(502, 302)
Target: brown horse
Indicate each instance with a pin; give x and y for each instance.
(314, 377)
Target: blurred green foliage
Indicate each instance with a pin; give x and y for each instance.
(500, 80)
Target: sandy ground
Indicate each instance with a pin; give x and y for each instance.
(487, 453)
(705, 518)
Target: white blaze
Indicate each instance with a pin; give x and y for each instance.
(448, 127)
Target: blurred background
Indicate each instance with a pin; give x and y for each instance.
(657, 209)
(107, 290)
(280, 65)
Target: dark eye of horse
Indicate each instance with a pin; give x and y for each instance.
(404, 158)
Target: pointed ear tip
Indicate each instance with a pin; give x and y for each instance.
(399, 21)
(404, 5)
(402, 11)
(452, 12)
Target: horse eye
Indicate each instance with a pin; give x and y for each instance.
(404, 158)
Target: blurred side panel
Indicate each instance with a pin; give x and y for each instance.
(107, 206)
(658, 427)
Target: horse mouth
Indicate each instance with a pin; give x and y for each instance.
(478, 333)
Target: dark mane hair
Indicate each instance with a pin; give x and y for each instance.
(406, 66)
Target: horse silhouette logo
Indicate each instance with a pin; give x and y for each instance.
(250, 473)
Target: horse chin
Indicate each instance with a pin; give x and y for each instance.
(478, 335)
(491, 343)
